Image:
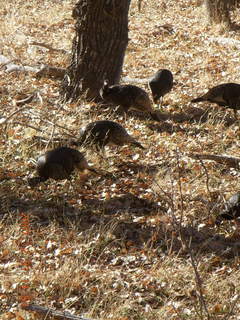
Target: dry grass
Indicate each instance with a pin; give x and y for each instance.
(109, 247)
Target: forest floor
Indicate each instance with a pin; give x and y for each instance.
(141, 242)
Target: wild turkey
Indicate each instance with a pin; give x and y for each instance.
(100, 133)
(128, 96)
(160, 84)
(225, 95)
(232, 210)
(58, 164)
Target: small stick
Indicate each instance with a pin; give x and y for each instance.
(198, 282)
(47, 46)
(231, 161)
(207, 177)
(51, 312)
(26, 100)
(13, 114)
(51, 137)
(27, 125)
(62, 127)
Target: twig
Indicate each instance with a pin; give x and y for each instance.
(27, 125)
(11, 66)
(203, 304)
(228, 315)
(55, 124)
(229, 160)
(199, 284)
(13, 114)
(20, 68)
(56, 314)
(207, 177)
(48, 46)
(62, 127)
(26, 100)
(54, 139)
(51, 136)
(180, 191)
(40, 130)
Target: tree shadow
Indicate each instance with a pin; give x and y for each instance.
(188, 114)
(128, 217)
(166, 127)
(198, 115)
(91, 210)
(131, 168)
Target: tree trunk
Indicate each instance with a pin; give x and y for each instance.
(98, 47)
(218, 11)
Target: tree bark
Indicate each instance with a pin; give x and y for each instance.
(101, 38)
(219, 10)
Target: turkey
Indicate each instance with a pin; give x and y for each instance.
(100, 133)
(58, 164)
(232, 210)
(160, 84)
(128, 96)
(225, 95)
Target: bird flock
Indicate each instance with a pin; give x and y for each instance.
(59, 163)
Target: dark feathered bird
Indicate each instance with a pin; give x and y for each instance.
(225, 95)
(128, 96)
(100, 133)
(160, 84)
(232, 210)
(58, 164)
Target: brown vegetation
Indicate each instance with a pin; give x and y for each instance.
(140, 242)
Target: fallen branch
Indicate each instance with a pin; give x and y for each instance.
(15, 67)
(7, 62)
(48, 46)
(51, 312)
(59, 126)
(226, 41)
(27, 125)
(41, 71)
(231, 161)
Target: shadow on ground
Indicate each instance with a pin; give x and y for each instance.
(128, 219)
(188, 114)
